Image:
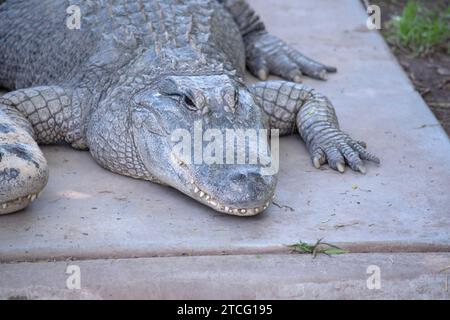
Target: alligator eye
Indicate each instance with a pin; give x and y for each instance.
(189, 103)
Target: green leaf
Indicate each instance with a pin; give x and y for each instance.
(335, 251)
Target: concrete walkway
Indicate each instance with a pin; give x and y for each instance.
(119, 227)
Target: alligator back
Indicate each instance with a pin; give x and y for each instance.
(38, 48)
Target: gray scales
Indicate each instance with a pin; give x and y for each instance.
(138, 70)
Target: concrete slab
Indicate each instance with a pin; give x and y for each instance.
(87, 212)
(402, 276)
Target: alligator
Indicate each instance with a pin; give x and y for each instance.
(117, 77)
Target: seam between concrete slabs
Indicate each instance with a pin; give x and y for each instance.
(370, 247)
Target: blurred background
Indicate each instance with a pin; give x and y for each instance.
(418, 33)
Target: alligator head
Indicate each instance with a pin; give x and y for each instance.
(202, 135)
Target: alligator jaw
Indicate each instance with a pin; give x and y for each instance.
(17, 204)
(205, 198)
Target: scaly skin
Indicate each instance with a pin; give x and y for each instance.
(137, 71)
(266, 54)
(293, 107)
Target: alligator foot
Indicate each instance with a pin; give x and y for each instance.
(292, 106)
(338, 148)
(23, 168)
(267, 54)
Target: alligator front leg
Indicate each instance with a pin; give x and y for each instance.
(29, 116)
(267, 54)
(293, 107)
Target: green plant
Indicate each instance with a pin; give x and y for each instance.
(421, 30)
(318, 247)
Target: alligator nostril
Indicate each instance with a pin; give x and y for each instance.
(255, 177)
(246, 188)
(249, 177)
(239, 177)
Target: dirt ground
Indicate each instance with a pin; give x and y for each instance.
(430, 74)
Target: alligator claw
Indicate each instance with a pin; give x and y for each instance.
(340, 150)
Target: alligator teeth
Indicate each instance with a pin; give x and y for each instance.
(28, 198)
(235, 211)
